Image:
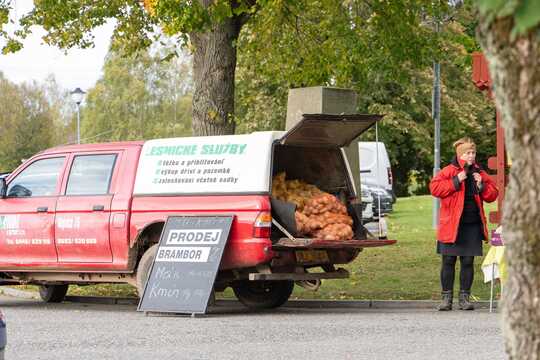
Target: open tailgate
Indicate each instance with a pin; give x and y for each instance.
(324, 130)
(307, 243)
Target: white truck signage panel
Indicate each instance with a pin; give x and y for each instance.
(210, 164)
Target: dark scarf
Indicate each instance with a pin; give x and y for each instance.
(471, 212)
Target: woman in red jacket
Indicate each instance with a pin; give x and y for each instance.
(462, 187)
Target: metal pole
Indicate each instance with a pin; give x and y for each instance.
(492, 285)
(78, 123)
(436, 114)
(379, 215)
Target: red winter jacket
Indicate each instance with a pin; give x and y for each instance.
(446, 186)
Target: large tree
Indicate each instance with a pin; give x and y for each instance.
(510, 35)
(139, 97)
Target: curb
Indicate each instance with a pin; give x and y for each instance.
(102, 300)
(375, 304)
(19, 293)
(306, 304)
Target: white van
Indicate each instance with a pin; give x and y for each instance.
(370, 174)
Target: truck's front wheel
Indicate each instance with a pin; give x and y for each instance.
(143, 270)
(53, 293)
(263, 294)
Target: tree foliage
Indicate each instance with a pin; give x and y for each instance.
(138, 97)
(524, 13)
(26, 122)
(368, 47)
(349, 42)
(212, 26)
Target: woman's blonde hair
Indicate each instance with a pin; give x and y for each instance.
(463, 145)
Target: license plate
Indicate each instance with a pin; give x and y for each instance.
(312, 256)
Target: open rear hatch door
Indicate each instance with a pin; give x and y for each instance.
(325, 130)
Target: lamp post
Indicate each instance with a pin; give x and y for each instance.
(77, 97)
(438, 21)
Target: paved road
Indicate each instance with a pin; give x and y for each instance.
(83, 331)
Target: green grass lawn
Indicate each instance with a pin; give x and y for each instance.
(407, 270)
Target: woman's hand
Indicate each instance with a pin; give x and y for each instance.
(462, 176)
(477, 178)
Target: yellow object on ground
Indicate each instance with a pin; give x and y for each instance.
(495, 256)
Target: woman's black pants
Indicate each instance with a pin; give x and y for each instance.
(448, 271)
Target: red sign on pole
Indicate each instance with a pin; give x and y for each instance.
(480, 72)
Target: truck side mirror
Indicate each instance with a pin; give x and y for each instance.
(3, 188)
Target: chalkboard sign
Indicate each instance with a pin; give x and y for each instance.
(186, 264)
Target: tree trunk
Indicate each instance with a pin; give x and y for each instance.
(515, 69)
(214, 64)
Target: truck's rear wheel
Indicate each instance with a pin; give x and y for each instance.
(53, 293)
(263, 294)
(143, 270)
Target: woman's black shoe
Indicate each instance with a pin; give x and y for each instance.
(464, 301)
(446, 303)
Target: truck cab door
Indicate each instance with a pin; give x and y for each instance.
(84, 209)
(27, 214)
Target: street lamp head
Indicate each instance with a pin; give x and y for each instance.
(77, 96)
(456, 3)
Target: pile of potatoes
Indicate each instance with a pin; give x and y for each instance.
(318, 214)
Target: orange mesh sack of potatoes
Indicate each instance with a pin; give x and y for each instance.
(294, 191)
(318, 214)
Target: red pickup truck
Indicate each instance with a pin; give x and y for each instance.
(94, 213)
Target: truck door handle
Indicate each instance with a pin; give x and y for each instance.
(42, 209)
(98, 208)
